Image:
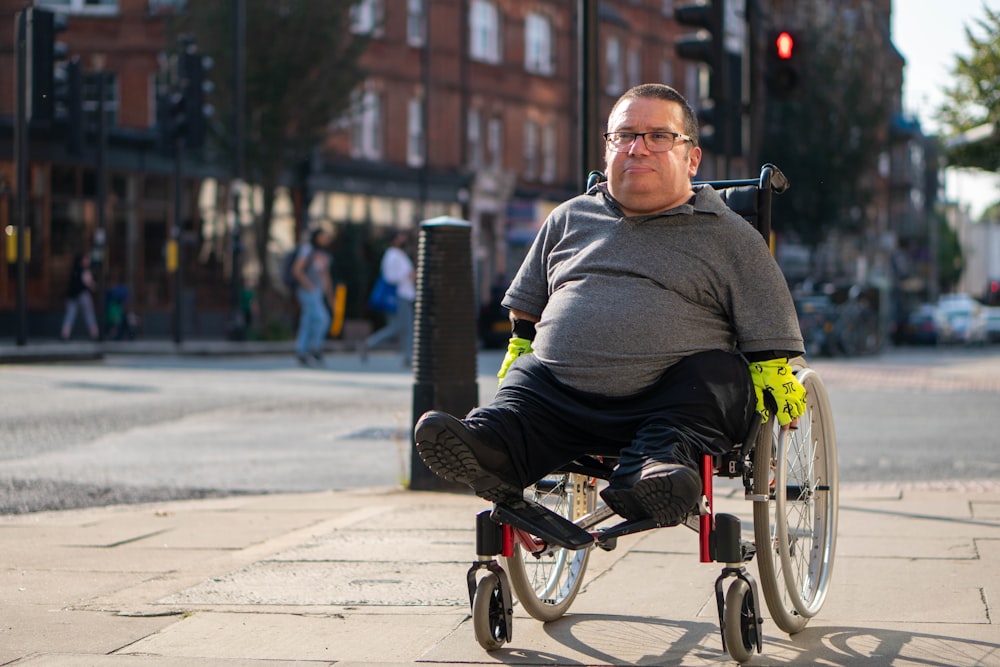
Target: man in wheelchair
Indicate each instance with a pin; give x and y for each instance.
(650, 323)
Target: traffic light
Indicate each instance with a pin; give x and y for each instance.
(194, 99)
(42, 53)
(68, 101)
(705, 45)
(181, 107)
(783, 64)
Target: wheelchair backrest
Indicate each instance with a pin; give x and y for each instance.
(749, 197)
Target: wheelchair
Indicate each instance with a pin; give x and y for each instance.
(537, 549)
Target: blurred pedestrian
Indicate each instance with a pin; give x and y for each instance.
(314, 290)
(80, 297)
(397, 270)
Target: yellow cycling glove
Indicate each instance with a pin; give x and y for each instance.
(776, 377)
(515, 348)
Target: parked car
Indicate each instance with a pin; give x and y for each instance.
(966, 319)
(992, 315)
(925, 325)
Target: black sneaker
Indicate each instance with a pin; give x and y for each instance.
(623, 501)
(303, 360)
(456, 453)
(666, 492)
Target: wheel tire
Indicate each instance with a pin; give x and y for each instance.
(489, 620)
(796, 529)
(547, 584)
(739, 622)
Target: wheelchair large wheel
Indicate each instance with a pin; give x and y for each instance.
(546, 578)
(795, 508)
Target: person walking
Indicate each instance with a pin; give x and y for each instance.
(397, 270)
(314, 290)
(80, 297)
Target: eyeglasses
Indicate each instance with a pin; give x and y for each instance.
(656, 142)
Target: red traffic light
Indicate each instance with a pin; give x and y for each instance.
(784, 44)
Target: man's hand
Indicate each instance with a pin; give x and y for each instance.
(515, 348)
(775, 376)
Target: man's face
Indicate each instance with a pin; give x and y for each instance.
(641, 181)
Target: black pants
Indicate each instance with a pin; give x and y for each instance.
(703, 404)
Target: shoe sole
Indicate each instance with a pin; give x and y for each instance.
(443, 451)
(624, 503)
(668, 497)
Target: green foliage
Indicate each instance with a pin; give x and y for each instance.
(301, 66)
(950, 260)
(973, 98)
(828, 136)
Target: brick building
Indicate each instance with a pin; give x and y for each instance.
(471, 108)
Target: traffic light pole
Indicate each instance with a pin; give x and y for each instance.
(21, 156)
(239, 95)
(100, 237)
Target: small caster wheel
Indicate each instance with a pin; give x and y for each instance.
(740, 628)
(489, 618)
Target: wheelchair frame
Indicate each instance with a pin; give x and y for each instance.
(790, 475)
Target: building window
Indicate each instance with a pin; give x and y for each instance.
(91, 97)
(415, 133)
(80, 6)
(475, 139)
(634, 67)
(530, 151)
(366, 126)
(484, 31)
(157, 7)
(538, 44)
(549, 152)
(614, 65)
(367, 18)
(416, 21)
(494, 137)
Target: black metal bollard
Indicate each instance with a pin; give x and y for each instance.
(444, 333)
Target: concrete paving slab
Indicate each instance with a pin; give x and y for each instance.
(80, 660)
(900, 590)
(368, 638)
(27, 629)
(61, 588)
(367, 583)
(379, 545)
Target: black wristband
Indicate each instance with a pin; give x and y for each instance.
(523, 329)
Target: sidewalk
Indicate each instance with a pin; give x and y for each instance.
(377, 577)
(80, 350)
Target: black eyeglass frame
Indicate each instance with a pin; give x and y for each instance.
(619, 146)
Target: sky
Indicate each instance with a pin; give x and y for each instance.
(929, 34)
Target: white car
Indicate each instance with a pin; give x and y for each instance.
(966, 319)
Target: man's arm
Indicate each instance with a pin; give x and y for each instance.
(522, 327)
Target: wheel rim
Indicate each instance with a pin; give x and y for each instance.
(795, 587)
(546, 582)
(805, 512)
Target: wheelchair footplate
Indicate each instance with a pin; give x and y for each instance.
(536, 519)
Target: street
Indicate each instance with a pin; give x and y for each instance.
(144, 428)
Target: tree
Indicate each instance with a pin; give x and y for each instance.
(827, 135)
(973, 99)
(302, 65)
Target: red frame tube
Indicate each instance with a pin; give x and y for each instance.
(706, 522)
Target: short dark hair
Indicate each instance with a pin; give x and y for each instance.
(662, 91)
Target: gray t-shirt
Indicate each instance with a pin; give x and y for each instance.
(623, 298)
